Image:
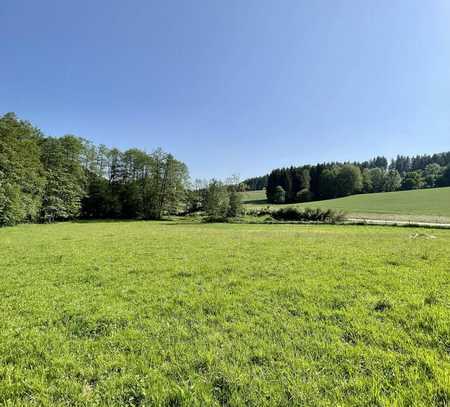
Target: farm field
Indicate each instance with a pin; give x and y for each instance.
(177, 313)
(427, 205)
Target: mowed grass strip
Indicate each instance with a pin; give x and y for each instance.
(148, 313)
(428, 205)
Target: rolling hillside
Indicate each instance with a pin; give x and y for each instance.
(432, 205)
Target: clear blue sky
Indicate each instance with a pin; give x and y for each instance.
(235, 86)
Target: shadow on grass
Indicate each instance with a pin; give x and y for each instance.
(256, 202)
(168, 221)
(105, 220)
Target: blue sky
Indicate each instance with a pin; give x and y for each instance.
(233, 86)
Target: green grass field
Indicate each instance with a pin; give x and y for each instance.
(432, 205)
(171, 314)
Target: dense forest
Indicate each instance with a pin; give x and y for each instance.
(46, 179)
(255, 183)
(333, 180)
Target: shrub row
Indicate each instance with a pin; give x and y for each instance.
(301, 215)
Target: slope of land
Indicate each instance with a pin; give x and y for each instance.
(167, 313)
(427, 205)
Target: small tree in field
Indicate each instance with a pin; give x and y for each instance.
(217, 201)
(234, 197)
(222, 201)
(235, 204)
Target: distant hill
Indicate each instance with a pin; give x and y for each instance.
(332, 180)
(422, 204)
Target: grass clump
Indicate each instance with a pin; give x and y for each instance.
(383, 305)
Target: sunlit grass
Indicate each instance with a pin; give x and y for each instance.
(147, 313)
(432, 205)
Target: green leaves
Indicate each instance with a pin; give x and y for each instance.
(21, 172)
(49, 179)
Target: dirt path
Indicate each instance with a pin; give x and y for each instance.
(399, 222)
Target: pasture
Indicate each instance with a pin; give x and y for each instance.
(427, 205)
(177, 313)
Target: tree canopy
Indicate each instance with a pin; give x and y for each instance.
(56, 178)
(333, 180)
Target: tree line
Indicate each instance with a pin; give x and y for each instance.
(334, 180)
(218, 201)
(46, 179)
(255, 183)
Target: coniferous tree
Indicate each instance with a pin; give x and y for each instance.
(328, 186)
(304, 195)
(444, 179)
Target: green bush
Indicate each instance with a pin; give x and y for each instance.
(308, 215)
(305, 195)
(259, 212)
(280, 195)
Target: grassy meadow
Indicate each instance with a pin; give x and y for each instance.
(428, 205)
(177, 313)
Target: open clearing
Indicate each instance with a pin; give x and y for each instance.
(167, 313)
(422, 205)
